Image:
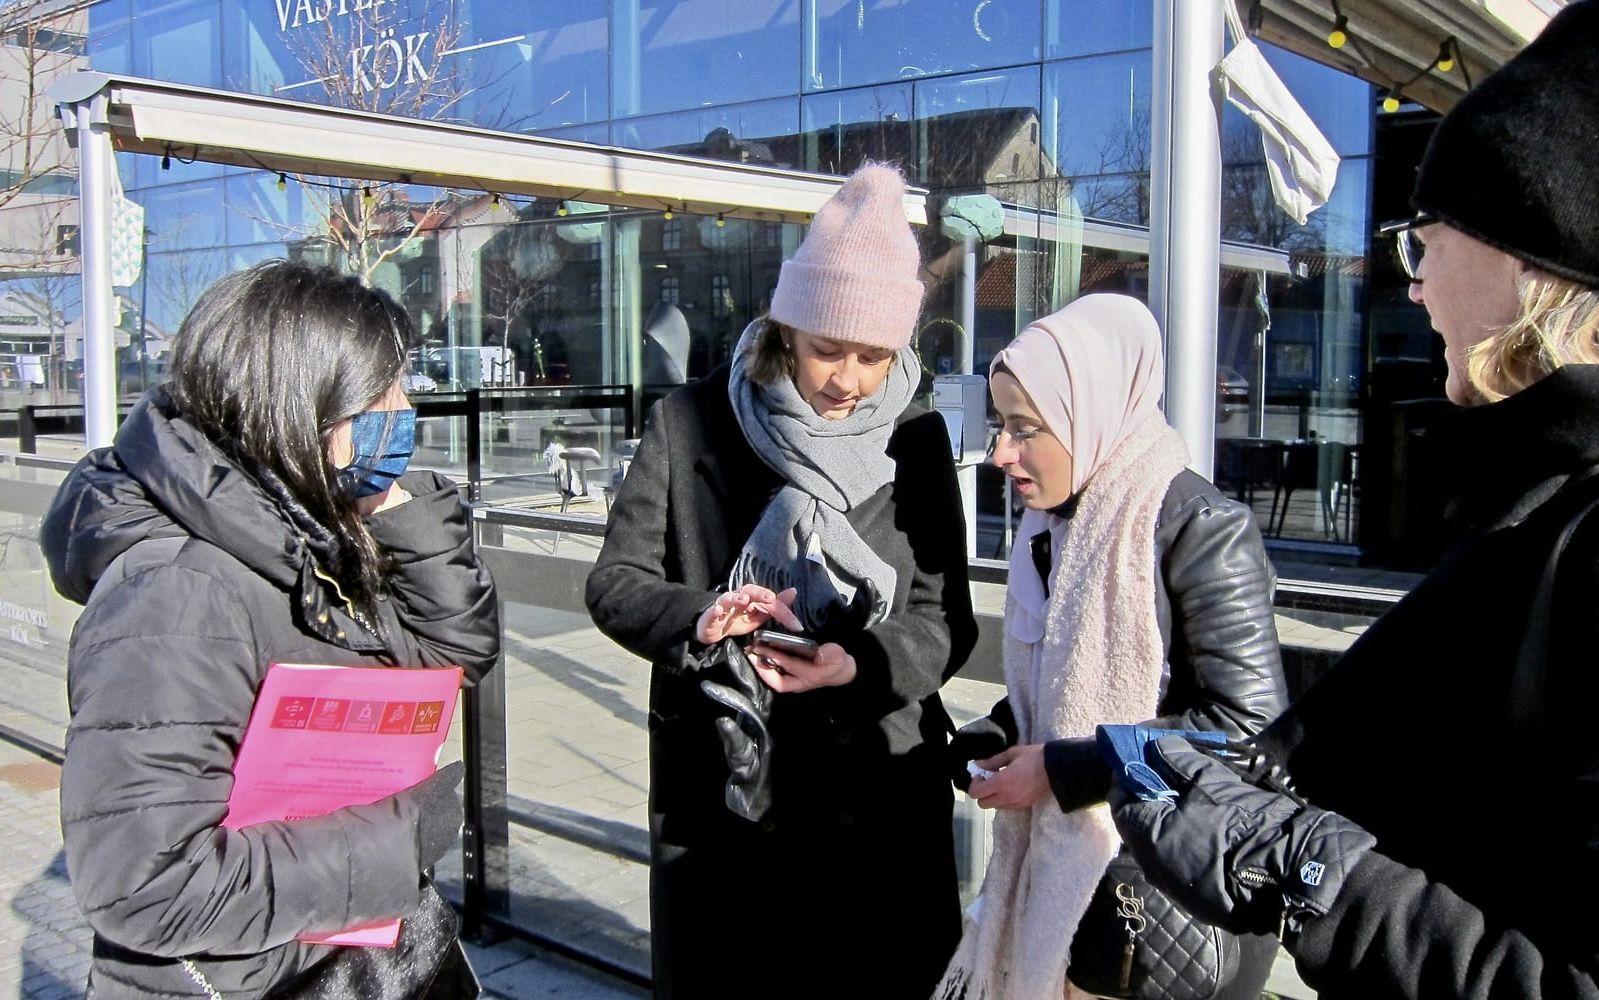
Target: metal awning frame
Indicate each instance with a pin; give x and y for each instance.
(105, 113)
(271, 134)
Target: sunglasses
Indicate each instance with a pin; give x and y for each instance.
(1408, 249)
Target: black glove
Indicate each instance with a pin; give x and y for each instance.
(1243, 858)
(439, 812)
(980, 739)
(1078, 773)
(746, 740)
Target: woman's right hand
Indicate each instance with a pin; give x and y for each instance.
(744, 610)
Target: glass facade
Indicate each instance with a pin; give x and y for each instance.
(1043, 105)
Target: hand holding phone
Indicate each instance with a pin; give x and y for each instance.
(787, 642)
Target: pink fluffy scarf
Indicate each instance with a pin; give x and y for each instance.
(1091, 651)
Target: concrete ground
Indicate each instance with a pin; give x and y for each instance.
(44, 943)
(576, 749)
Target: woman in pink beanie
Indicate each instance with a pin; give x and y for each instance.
(800, 816)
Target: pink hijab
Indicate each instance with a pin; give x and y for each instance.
(1095, 370)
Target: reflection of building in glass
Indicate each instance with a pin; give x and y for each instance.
(1042, 104)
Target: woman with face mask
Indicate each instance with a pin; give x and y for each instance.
(800, 821)
(256, 510)
(1138, 593)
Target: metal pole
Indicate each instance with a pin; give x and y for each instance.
(966, 475)
(95, 166)
(1185, 215)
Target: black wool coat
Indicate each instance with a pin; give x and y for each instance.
(853, 866)
(1485, 878)
(194, 582)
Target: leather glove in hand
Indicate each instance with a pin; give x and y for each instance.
(439, 812)
(980, 739)
(746, 741)
(1240, 857)
(1078, 773)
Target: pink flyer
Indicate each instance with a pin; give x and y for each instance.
(324, 737)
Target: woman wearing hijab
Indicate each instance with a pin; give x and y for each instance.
(1138, 593)
(800, 819)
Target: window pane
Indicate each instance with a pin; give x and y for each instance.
(853, 42)
(672, 54)
(764, 132)
(170, 284)
(110, 37)
(1339, 104)
(1097, 115)
(842, 129)
(977, 130)
(258, 212)
(1086, 27)
(535, 66)
(179, 42)
(183, 216)
(260, 57)
(598, 133)
(1249, 213)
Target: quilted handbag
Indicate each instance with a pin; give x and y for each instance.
(1134, 943)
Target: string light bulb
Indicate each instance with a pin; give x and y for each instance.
(1390, 103)
(166, 160)
(366, 196)
(283, 181)
(495, 201)
(1446, 56)
(667, 215)
(562, 210)
(721, 222)
(1338, 37)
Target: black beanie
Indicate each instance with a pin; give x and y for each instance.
(1516, 163)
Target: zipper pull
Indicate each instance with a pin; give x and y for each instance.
(1127, 961)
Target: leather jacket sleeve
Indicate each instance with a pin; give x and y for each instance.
(1214, 606)
(1226, 667)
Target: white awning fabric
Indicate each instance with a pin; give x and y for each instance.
(148, 116)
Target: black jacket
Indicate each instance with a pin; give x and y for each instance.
(194, 582)
(1485, 876)
(1214, 609)
(858, 837)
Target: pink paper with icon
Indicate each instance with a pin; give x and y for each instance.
(322, 738)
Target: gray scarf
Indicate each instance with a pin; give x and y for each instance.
(803, 539)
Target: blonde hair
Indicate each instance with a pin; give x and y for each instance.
(1557, 324)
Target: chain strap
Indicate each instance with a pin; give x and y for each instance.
(200, 980)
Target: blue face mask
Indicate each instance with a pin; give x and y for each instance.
(384, 441)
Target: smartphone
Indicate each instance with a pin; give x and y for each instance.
(793, 645)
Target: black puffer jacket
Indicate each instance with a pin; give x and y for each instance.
(194, 583)
(1213, 605)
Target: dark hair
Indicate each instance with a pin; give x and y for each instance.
(269, 361)
(769, 356)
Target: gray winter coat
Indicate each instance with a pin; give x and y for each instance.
(193, 583)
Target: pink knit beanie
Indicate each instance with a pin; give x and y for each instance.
(854, 276)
